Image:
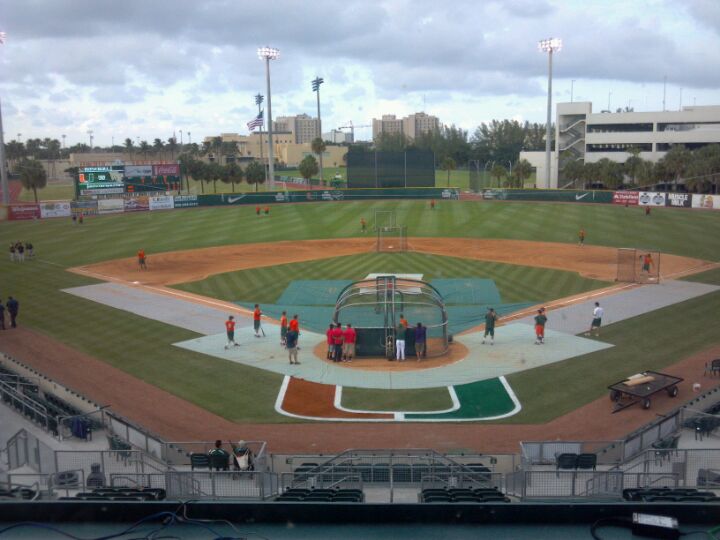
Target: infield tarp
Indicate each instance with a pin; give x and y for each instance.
(313, 292)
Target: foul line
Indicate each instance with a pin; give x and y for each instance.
(398, 415)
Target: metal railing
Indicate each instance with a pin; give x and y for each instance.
(24, 448)
(177, 453)
(545, 452)
(24, 404)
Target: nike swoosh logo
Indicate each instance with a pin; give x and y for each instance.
(234, 199)
(578, 197)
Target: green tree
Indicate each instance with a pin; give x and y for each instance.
(199, 171)
(521, 172)
(677, 161)
(591, 174)
(390, 142)
(448, 164)
(172, 146)
(144, 148)
(255, 173)
(129, 145)
(32, 175)
(318, 146)
(534, 136)
(232, 174)
(498, 172)
(633, 164)
(704, 169)
(611, 173)
(215, 172)
(573, 171)
(158, 146)
(308, 167)
(15, 150)
(216, 146)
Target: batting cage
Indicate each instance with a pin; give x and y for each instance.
(411, 168)
(638, 265)
(391, 239)
(374, 308)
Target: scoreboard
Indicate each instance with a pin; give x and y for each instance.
(101, 180)
(121, 178)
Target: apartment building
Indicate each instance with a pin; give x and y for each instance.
(303, 127)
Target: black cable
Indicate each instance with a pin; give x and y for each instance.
(608, 522)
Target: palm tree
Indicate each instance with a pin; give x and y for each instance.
(215, 173)
(498, 172)
(633, 163)
(172, 145)
(318, 146)
(128, 145)
(676, 161)
(144, 148)
(255, 173)
(522, 171)
(573, 170)
(32, 175)
(217, 147)
(232, 173)
(158, 146)
(448, 164)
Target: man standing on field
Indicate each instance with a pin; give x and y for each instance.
(540, 321)
(141, 259)
(349, 338)
(597, 320)
(490, 319)
(256, 320)
(581, 237)
(291, 342)
(230, 329)
(337, 338)
(283, 328)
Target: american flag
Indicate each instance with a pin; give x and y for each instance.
(255, 122)
(2, 37)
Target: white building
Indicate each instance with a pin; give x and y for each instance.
(337, 136)
(590, 137)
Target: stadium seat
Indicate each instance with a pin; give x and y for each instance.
(713, 368)
(219, 462)
(566, 461)
(199, 461)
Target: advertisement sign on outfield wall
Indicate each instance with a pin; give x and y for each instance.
(137, 204)
(626, 197)
(138, 171)
(23, 211)
(164, 202)
(55, 209)
(185, 201)
(651, 198)
(111, 206)
(166, 170)
(710, 202)
(87, 208)
(678, 200)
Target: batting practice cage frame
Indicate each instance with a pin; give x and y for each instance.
(636, 265)
(373, 307)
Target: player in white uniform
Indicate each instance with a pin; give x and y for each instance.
(598, 313)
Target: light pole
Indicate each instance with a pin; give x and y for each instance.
(181, 143)
(549, 46)
(3, 172)
(267, 54)
(63, 138)
(189, 138)
(258, 101)
(572, 88)
(609, 96)
(90, 134)
(317, 81)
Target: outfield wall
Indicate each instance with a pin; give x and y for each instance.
(121, 204)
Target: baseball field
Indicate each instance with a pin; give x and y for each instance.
(228, 258)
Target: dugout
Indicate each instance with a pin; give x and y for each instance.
(374, 306)
(411, 168)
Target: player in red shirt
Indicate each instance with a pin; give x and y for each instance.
(283, 328)
(256, 320)
(330, 348)
(349, 338)
(337, 339)
(230, 328)
(257, 210)
(295, 324)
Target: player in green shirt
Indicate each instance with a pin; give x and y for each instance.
(490, 319)
(540, 320)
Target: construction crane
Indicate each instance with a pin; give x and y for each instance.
(351, 127)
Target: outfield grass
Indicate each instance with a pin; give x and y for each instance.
(51, 192)
(142, 347)
(711, 277)
(516, 283)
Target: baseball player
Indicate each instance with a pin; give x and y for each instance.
(256, 320)
(597, 320)
(490, 320)
(141, 259)
(283, 328)
(230, 329)
(540, 321)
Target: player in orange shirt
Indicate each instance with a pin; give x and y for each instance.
(283, 328)
(295, 324)
(230, 329)
(256, 320)
(141, 259)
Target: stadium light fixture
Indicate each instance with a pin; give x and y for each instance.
(317, 81)
(267, 54)
(549, 46)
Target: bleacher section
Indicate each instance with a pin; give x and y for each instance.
(667, 494)
(322, 495)
(463, 495)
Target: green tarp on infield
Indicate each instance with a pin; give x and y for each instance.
(478, 400)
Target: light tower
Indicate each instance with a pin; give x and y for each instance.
(549, 46)
(317, 81)
(259, 98)
(267, 54)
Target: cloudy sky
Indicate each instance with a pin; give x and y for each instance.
(148, 68)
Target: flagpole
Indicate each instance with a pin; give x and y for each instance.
(259, 100)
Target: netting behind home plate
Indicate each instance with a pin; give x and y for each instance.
(374, 308)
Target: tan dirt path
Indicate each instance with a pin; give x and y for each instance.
(176, 419)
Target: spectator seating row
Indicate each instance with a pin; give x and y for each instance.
(669, 495)
(322, 495)
(380, 472)
(709, 478)
(216, 462)
(576, 461)
(702, 425)
(17, 493)
(120, 494)
(463, 495)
